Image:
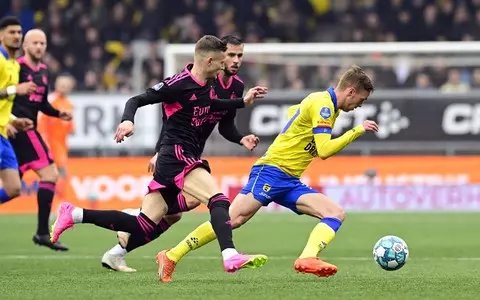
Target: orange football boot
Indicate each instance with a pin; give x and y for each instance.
(314, 265)
(166, 266)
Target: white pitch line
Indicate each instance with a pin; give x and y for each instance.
(344, 258)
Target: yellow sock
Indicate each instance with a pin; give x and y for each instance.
(201, 236)
(320, 237)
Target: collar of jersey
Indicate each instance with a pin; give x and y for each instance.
(331, 91)
(4, 52)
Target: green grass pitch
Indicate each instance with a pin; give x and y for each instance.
(444, 262)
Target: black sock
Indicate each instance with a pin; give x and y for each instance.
(119, 221)
(220, 220)
(135, 241)
(45, 194)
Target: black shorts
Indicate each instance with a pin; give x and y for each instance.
(31, 151)
(173, 164)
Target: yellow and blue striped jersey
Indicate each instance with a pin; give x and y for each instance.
(307, 134)
(9, 75)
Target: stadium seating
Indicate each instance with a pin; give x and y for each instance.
(104, 30)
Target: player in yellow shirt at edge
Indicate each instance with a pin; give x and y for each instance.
(11, 40)
(276, 175)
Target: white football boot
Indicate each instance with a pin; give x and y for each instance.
(116, 261)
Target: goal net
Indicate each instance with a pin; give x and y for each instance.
(392, 65)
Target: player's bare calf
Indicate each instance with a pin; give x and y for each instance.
(321, 207)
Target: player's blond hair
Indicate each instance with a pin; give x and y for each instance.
(357, 78)
(210, 43)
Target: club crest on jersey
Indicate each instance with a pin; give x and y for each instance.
(267, 187)
(158, 86)
(325, 112)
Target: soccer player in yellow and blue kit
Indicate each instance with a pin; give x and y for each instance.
(276, 175)
(11, 39)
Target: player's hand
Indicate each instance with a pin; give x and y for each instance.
(66, 116)
(370, 125)
(22, 124)
(11, 131)
(26, 88)
(255, 93)
(152, 163)
(125, 129)
(250, 141)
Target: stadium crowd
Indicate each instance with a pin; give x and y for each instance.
(91, 39)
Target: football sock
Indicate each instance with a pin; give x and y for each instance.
(117, 250)
(119, 221)
(321, 236)
(4, 197)
(220, 219)
(45, 194)
(201, 236)
(132, 211)
(135, 241)
(228, 253)
(77, 215)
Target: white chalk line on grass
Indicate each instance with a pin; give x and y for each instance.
(333, 258)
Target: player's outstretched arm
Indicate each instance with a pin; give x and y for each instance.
(228, 129)
(326, 146)
(126, 128)
(134, 103)
(159, 93)
(253, 94)
(48, 109)
(22, 89)
(227, 104)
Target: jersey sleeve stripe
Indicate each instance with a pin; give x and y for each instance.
(176, 78)
(322, 129)
(289, 123)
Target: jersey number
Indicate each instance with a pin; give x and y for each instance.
(289, 123)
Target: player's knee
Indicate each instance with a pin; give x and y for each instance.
(340, 214)
(192, 203)
(172, 219)
(13, 190)
(51, 176)
(330, 211)
(336, 212)
(48, 174)
(238, 221)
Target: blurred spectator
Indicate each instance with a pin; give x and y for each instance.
(423, 82)
(454, 83)
(91, 38)
(17, 8)
(476, 78)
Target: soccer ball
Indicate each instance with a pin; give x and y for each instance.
(390, 253)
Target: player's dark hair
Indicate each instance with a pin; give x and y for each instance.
(357, 78)
(232, 40)
(210, 43)
(9, 21)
